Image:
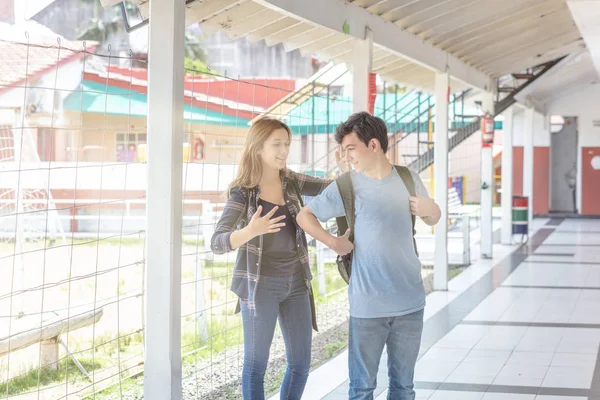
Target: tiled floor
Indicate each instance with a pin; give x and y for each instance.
(533, 334)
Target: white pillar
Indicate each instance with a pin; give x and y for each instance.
(528, 161)
(162, 366)
(440, 269)
(487, 186)
(362, 64)
(507, 175)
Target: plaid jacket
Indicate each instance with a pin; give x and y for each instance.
(239, 209)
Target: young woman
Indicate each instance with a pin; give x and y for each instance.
(272, 272)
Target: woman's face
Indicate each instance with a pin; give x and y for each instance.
(276, 149)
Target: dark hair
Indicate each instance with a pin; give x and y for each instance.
(366, 127)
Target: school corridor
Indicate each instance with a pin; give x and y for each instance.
(522, 326)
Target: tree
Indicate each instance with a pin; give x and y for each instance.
(98, 29)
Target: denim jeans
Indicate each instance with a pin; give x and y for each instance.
(402, 336)
(286, 299)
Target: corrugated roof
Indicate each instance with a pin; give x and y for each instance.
(496, 37)
(94, 97)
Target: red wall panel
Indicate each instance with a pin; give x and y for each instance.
(590, 182)
(541, 180)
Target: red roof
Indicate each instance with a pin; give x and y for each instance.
(244, 98)
(22, 62)
(254, 92)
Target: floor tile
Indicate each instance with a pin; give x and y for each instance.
(574, 360)
(451, 395)
(476, 355)
(441, 354)
(508, 396)
(433, 371)
(530, 358)
(568, 377)
(422, 394)
(521, 375)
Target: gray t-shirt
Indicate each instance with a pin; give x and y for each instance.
(386, 273)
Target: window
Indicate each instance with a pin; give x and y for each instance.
(127, 144)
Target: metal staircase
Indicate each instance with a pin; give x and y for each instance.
(522, 81)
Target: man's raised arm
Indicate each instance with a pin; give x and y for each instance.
(311, 225)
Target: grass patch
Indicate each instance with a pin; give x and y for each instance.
(132, 387)
(333, 283)
(333, 348)
(67, 371)
(223, 333)
(455, 270)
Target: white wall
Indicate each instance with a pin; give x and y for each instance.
(541, 130)
(585, 105)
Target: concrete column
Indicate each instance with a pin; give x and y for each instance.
(362, 64)
(507, 175)
(487, 186)
(528, 161)
(49, 354)
(440, 269)
(162, 366)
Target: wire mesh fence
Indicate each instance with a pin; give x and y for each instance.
(72, 220)
(73, 147)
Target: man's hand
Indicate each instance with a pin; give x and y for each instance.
(422, 206)
(425, 208)
(342, 245)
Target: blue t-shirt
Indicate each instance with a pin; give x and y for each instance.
(386, 273)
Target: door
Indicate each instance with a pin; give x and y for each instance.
(563, 170)
(590, 180)
(46, 145)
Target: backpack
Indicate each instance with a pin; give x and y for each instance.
(346, 189)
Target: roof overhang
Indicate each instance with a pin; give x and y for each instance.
(352, 20)
(586, 14)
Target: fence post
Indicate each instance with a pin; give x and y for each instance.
(162, 364)
(321, 268)
(200, 304)
(466, 233)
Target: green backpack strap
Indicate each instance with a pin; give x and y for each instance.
(409, 182)
(344, 185)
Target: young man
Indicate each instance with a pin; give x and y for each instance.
(386, 292)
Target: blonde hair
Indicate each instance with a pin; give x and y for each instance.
(251, 167)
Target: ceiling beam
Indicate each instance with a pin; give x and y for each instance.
(335, 14)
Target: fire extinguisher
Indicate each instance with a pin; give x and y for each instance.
(372, 92)
(487, 130)
(198, 149)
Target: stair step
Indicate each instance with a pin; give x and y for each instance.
(523, 76)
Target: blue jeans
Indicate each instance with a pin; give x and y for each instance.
(402, 336)
(286, 298)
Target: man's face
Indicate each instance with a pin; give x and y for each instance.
(357, 153)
